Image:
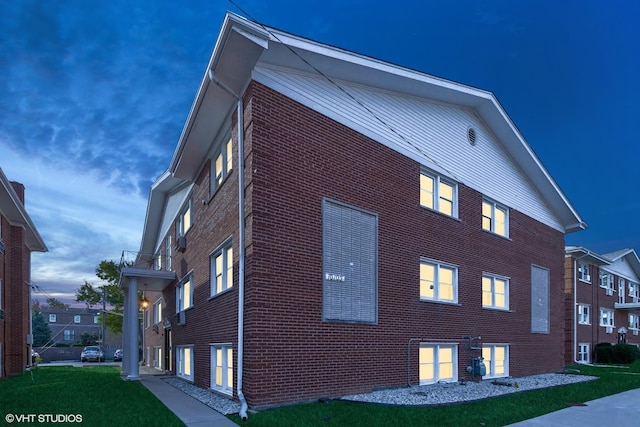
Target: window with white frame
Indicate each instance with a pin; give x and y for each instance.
(606, 282)
(439, 194)
(157, 357)
(438, 362)
(606, 317)
(158, 261)
(157, 312)
(69, 334)
(584, 273)
(222, 166)
(167, 252)
(438, 281)
(147, 317)
(76, 318)
(96, 319)
(496, 360)
(184, 362)
(583, 352)
(184, 220)
(222, 368)
(184, 295)
(634, 291)
(495, 217)
(634, 321)
(583, 314)
(495, 292)
(52, 318)
(621, 290)
(222, 269)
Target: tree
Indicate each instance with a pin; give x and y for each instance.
(40, 329)
(109, 294)
(53, 302)
(89, 338)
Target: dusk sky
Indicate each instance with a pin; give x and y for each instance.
(94, 95)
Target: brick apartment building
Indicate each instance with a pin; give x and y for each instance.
(331, 223)
(18, 239)
(602, 300)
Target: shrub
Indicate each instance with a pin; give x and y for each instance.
(618, 353)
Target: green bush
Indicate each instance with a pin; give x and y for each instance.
(618, 353)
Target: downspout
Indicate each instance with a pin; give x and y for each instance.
(241, 237)
(241, 243)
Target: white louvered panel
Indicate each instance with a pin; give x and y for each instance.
(433, 134)
(173, 205)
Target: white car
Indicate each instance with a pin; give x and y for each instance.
(92, 353)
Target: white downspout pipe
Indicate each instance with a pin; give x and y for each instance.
(241, 224)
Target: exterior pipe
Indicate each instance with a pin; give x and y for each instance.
(241, 224)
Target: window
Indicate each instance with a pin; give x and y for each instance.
(157, 312)
(222, 269)
(69, 335)
(495, 292)
(606, 282)
(439, 194)
(184, 221)
(438, 362)
(583, 314)
(147, 318)
(223, 165)
(167, 249)
(222, 368)
(634, 291)
(620, 290)
(583, 353)
(495, 218)
(157, 265)
(157, 357)
(52, 318)
(76, 318)
(184, 362)
(634, 321)
(606, 317)
(96, 319)
(184, 295)
(496, 360)
(584, 273)
(438, 282)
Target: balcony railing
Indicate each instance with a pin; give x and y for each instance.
(145, 261)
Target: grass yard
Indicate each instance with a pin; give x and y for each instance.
(98, 394)
(497, 411)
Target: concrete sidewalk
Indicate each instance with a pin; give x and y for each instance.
(191, 411)
(622, 409)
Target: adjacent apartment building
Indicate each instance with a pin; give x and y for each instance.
(18, 239)
(602, 300)
(331, 223)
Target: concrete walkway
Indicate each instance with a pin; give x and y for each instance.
(192, 412)
(622, 409)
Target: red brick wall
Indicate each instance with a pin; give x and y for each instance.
(295, 158)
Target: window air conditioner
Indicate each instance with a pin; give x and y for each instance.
(181, 244)
(181, 318)
(609, 329)
(635, 332)
(609, 291)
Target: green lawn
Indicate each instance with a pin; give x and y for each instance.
(97, 394)
(497, 411)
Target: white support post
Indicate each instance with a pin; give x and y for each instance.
(132, 325)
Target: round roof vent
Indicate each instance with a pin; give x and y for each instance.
(471, 135)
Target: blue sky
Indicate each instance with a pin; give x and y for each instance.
(94, 95)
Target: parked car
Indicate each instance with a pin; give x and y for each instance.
(92, 353)
(117, 356)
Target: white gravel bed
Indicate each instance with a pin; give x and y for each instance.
(213, 400)
(442, 393)
(433, 394)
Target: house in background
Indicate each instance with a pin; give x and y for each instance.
(18, 239)
(331, 223)
(602, 300)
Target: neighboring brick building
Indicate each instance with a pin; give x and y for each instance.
(18, 239)
(390, 228)
(602, 300)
